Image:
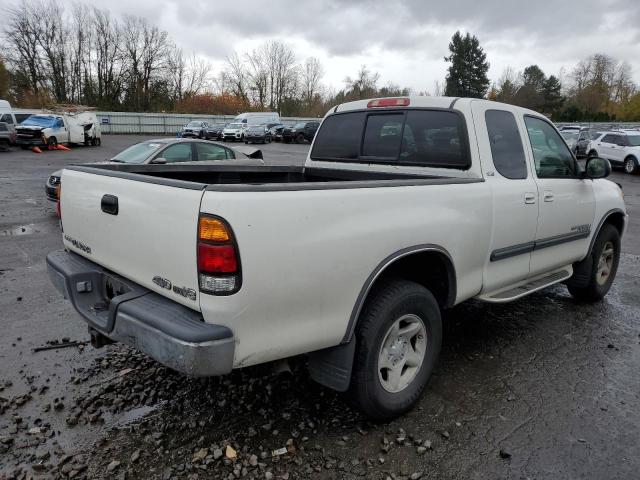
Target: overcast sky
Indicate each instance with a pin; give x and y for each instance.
(405, 41)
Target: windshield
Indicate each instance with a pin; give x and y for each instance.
(234, 126)
(569, 135)
(38, 121)
(299, 125)
(194, 124)
(634, 140)
(137, 153)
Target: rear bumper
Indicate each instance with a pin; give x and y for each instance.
(126, 312)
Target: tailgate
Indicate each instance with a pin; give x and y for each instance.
(150, 239)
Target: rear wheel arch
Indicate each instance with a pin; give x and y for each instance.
(430, 266)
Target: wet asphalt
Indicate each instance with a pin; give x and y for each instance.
(541, 388)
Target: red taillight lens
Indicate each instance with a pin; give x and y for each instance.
(217, 258)
(388, 102)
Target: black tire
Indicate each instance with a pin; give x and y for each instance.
(592, 154)
(387, 303)
(53, 142)
(630, 165)
(596, 289)
(24, 147)
(300, 138)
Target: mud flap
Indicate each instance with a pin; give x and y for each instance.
(332, 366)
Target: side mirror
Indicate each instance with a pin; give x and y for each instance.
(597, 167)
(159, 161)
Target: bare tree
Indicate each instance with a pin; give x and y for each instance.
(310, 78)
(53, 42)
(109, 63)
(234, 77)
(23, 34)
(364, 85)
(258, 75)
(197, 75)
(79, 52)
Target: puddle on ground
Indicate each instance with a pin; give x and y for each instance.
(19, 230)
(137, 413)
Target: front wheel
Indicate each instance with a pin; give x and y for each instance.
(300, 138)
(398, 341)
(605, 256)
(592, 154)
(53, 142)
(630, 165)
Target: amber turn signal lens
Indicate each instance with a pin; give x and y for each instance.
(213, 230)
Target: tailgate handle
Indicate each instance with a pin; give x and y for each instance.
(109, 204)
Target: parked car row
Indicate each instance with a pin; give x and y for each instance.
(253, 127)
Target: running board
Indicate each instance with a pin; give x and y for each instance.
(511, 293)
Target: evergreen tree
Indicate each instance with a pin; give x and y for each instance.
(553, 99)
(467, 75)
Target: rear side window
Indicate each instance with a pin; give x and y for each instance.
(339, 138)
(609, 139)
(430, 138)
(506, 144)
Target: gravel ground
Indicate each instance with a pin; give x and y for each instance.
(540, 388)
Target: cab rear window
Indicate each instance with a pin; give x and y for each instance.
(429, 138)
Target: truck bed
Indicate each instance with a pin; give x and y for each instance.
(255, 178)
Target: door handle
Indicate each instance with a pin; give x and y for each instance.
(529, 198)
(548, 196)
(109, 204)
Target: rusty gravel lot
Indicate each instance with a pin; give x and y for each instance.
(540, 388)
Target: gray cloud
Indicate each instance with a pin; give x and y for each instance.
(394, 34)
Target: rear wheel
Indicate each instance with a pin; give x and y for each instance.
(300, 138)
(630, 165)
(605, 256)
(397, 345)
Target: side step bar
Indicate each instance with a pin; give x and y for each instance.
(530, 285)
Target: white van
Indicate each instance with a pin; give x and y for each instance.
(257, 118)
(7, 116)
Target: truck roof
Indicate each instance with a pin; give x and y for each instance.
(426, 102)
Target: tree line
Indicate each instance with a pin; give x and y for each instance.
(599, 88)
(84, 55)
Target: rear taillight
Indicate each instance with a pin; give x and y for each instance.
(218, 259)
(388, 102)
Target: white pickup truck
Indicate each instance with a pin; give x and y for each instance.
(404, 207)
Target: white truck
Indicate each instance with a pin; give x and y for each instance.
(49, 130)
(404, 207)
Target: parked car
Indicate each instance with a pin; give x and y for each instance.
(300, 132)
(59, 128)
(258, 134)
(349, 259)
(214, 132)
(7, 136)
(279, 129)
(195, 129)
(234, 132)
(169, 151)
(620, 148)
(574, 128)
